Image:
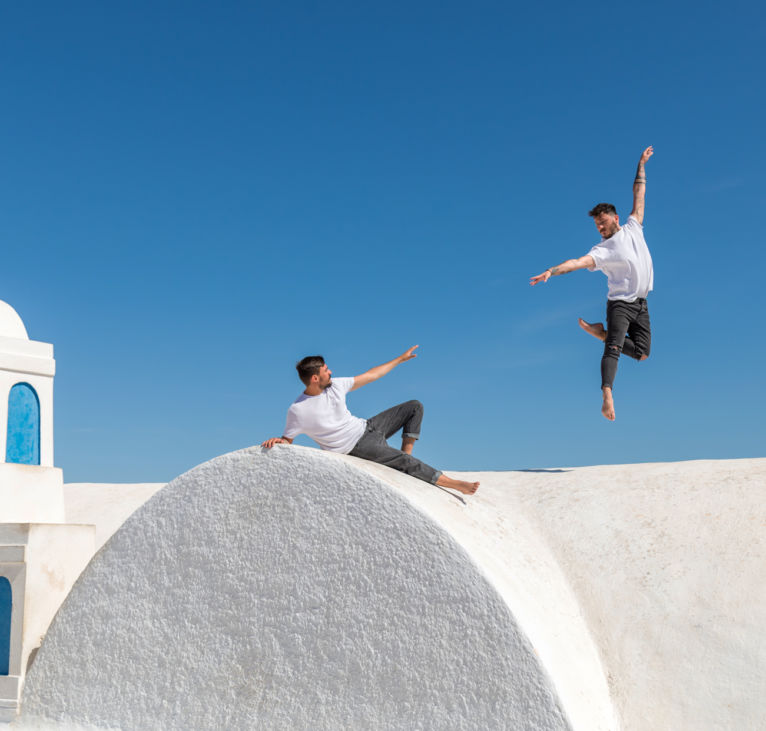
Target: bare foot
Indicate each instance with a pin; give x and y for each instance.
(467, 488)
(607, 408)
(596, 329)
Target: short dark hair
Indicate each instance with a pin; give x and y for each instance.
(309, 366)
(602, 208)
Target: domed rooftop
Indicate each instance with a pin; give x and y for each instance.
(11, 325)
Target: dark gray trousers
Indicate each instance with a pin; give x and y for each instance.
(628, 331)
(374, 447)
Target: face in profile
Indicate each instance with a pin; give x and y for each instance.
(325, 377)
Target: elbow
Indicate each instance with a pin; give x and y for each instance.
(585, 262)
(575, 264)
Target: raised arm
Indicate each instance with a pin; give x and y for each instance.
(639, 186)
(379, 371)
(570, 265)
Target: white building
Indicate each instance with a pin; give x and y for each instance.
(40, 555)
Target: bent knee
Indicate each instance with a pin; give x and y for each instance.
(415, 404)
(643, 353)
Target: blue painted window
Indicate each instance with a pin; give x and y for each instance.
(23, 444)
(5, 625)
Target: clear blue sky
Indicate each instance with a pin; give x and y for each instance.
(195, 195)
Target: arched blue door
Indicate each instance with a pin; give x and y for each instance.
(5, 625)
(23, 443)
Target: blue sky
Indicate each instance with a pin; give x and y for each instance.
(195, 196)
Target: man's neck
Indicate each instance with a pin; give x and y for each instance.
(313, 390)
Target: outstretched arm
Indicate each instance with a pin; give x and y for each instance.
(570, 265)
(379, 371)
(639, 186)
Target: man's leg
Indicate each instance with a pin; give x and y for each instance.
(638, 341)
(373, 447)
(407, 417)
(618, 319)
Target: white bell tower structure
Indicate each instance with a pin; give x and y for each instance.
(41, 555)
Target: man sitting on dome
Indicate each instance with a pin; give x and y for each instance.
(321, 413)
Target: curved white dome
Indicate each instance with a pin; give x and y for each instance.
(11, 325)
(286, 589)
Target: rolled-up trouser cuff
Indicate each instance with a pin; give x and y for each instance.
(436, 477)
(407, 417)
(411, 436)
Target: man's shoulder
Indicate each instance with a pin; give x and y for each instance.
(295, 405)
(634, 232)
(342, 384)
(603, 248)
(621, 236)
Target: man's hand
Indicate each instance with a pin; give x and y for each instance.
(408, 354)
(269, 443)
(379, 371)
(646, 154)
(544, 277)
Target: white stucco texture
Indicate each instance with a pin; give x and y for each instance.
(104, 505)
(290, 589)
(660, 568)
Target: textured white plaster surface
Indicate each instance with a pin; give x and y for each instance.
(641, 588)
(668, 564)
(286, 590)
(501, 536)
(55, 556)
(42, 562)
(107, 506)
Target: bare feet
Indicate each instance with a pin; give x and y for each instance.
(596, 329)
(607, 408)
(467, 488)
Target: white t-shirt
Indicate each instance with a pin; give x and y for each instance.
(326, 418)
(626, 261)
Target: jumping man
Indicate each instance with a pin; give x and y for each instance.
(624, 257)
(321, 412)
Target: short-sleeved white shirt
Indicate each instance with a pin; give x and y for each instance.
(326, 418)
(626, 261)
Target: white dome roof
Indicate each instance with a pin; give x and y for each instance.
(11, 325)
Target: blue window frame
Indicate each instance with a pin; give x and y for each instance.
(23, 442)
